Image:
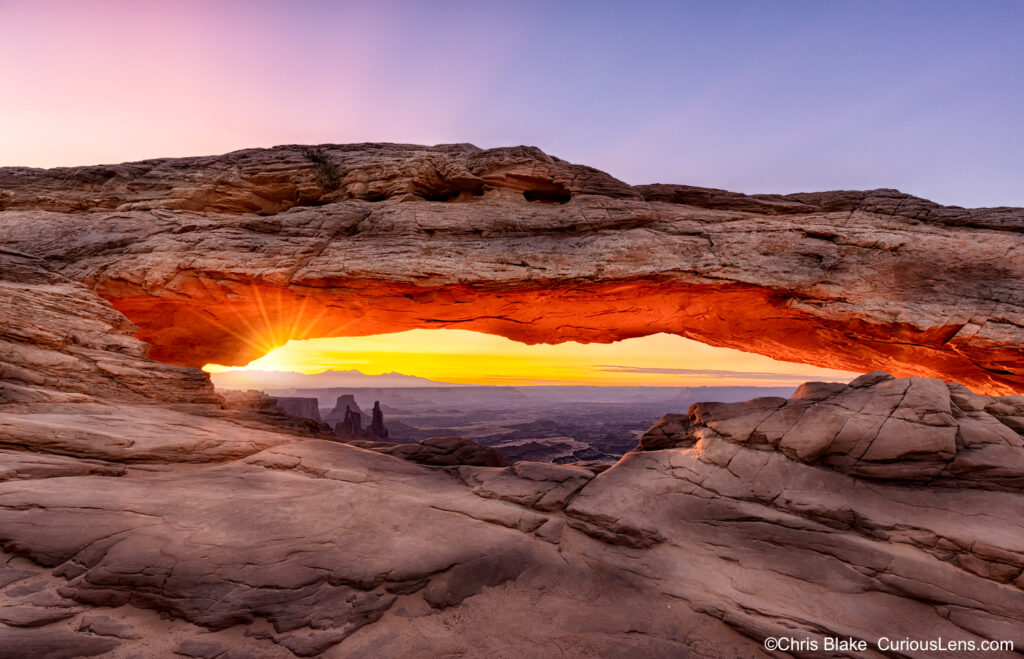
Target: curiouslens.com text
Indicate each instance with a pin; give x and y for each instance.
(883, 644)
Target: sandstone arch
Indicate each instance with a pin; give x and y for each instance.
(127, 484)
(219, 259)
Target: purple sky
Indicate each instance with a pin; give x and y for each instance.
(926, 96)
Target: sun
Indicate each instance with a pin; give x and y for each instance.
(466, 357)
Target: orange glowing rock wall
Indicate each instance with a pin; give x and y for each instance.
(246, 324)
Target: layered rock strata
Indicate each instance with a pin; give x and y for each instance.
(219, 259)
(142, 515)
(146, 519)
(877, 427)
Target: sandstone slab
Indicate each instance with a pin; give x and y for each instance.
(879, 427)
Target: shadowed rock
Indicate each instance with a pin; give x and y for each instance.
(344, 403)
(439, 451)
(377, 428)
(307, 408)
(350, 426)
(52, 644)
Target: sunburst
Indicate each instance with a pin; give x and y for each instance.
(267, 321)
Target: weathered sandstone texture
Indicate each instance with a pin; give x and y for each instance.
(140, 517)
(219, 259)
(877, 427)
(142, 514)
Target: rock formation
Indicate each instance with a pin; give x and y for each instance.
(350, 426)
(218, 259)
(257, 407)
(344, 404)
(439, 451)
(877, 427)
(705, 546)
(250, 399)
(142, 516)
(377, 428)
(307, 408)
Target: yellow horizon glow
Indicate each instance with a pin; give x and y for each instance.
(466, 357)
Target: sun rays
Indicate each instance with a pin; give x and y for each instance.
(279, 321)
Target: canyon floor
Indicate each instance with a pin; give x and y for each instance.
(561, 424)
(141, 516)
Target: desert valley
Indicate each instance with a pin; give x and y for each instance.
(562, 424)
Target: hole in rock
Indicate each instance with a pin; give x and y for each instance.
(564, 402)
(548, 196)
(464, 357)
(234, 322)
(454, 195)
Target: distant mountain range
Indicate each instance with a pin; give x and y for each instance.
(329, 384)
(266, 380)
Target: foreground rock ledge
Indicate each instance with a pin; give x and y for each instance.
(220, 259)
(137, 516)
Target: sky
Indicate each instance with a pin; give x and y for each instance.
(464, 357)
(761, 96)
(781, 96)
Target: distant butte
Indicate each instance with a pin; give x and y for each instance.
(218, 259)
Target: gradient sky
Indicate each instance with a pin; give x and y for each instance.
(461, 356)
(760, 96)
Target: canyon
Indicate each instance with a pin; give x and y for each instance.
(142, 514)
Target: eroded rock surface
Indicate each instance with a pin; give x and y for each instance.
(437, 451)
(61, 343)
(879, 427)
(314, 547)
(142, 515)
(220, 259)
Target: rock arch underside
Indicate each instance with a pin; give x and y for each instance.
(140, 513)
